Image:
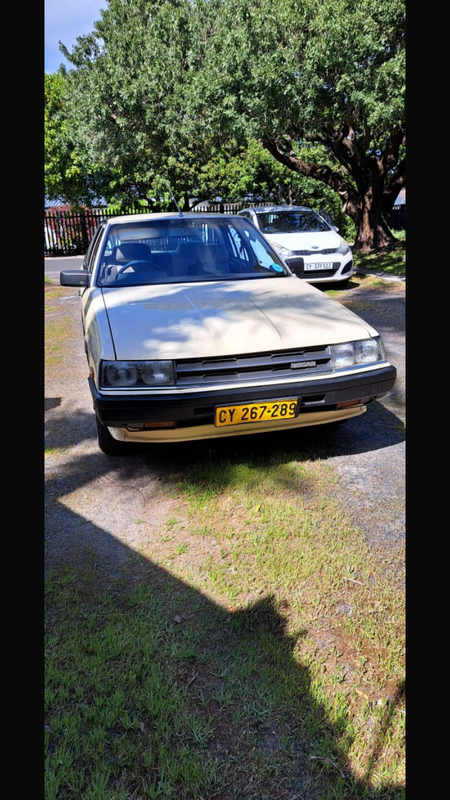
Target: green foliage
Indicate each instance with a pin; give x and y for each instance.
(67, 175)
(321, 84)
(59, 172)
(125, 99)
(392, 262)
(190, 91)
(303, 68)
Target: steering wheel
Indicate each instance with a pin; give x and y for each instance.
(138, 261)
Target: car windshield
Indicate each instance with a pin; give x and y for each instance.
(185, 249)
(291, 222)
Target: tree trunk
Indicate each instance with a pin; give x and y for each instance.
(368, 205)
(372, 230)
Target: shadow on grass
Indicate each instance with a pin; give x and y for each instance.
(220, 707)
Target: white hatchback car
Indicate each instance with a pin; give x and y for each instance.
(311, 248)
(194, 328)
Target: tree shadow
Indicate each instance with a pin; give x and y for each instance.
(242, 670)
(52, 402)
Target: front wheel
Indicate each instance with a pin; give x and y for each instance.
(107, 443)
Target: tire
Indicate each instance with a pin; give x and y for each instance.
(107, 443)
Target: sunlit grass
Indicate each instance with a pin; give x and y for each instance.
(392, 261)
(58, 327)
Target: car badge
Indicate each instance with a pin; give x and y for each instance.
(303, 364)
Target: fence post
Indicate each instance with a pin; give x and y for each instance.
(84, 233)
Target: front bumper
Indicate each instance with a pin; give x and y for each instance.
(319, 402)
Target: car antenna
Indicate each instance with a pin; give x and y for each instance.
(180, 214)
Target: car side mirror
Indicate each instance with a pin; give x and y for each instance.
(74, 277)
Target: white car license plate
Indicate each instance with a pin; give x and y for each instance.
(318, 265)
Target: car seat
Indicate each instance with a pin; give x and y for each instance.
(131, 251)
(124, 253)
(184, 259)
(212, 260)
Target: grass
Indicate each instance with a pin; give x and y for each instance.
(58, 327)
(276, 662)
(392, 261)
(253, 648)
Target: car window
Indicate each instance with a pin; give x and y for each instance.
(238, 245)
(109, 246)
(186, 249)
(91, 252)
(264, 257)
(291, 222)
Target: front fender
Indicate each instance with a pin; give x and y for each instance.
(98, 340)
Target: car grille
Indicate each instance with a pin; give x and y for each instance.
(274, 366)
(327, 251)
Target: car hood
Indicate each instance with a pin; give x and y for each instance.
(194, 320)
(305, 241)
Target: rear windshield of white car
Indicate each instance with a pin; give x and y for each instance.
(183, 249)
(291, 222)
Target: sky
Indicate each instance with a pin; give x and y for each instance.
(65, 20)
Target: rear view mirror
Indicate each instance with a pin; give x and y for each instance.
(74, 277)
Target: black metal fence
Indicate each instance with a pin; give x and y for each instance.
(68, 232)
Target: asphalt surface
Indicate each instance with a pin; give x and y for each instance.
(54, 265)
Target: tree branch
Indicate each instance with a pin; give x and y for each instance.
(286, 156)
(396, 139)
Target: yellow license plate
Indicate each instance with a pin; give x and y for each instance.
(255, 412)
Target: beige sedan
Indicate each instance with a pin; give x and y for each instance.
(194, 328)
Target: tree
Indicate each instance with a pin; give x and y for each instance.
(321, 84)
(180, 90)
(126, 105)
(250, 172)
(125, 102)
(61, 177)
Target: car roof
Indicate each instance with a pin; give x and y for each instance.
(267, 209)
(168, 215)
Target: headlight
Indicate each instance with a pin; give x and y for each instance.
(282, 251)
(352, 354)
(343, 248)
(121, 374)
